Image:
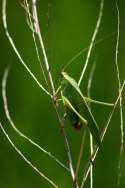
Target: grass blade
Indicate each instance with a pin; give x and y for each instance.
(120, 101)
(92, 41)
(104, 131)
(15, 49)
(52, 88)
(30, 17)
(80, 153)
(26, 160)
(81, 52)
(4, 82)
(90, 136)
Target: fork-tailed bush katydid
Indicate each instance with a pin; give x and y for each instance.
(77, 109)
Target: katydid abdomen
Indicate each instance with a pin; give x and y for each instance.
(74, 100)
(70, 94)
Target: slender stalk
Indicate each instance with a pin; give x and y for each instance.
(92, 41)
(120, 101)
(91, 138)
(67, 147)
(38, 32)
(93, 157)
(15, 49)
(91, 167)
(4, 82)
(52, 89)
(51, 84)
(82, 51)
(29, 17)
(83, 137)
(80, 153)
(25, 158)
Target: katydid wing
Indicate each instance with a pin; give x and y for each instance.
(76, 106)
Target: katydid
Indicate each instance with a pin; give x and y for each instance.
(76, 106)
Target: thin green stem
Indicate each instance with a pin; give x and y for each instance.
(51, 84)
(92, 41)
(38, 32)
(91, 138)
(29, 17)
(120, 101)
(15, 49)
(52, 89)
(4, 82)
(80, 153)
(82, 51)
(26, 159)
(104, 131)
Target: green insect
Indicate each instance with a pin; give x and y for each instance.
(76, 106)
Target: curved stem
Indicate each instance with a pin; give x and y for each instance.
(26, 159)
(95, 152)
(4, 82)
(29, 17)
(52, 89)
(92, 41)
(15, 49)
(82, 51)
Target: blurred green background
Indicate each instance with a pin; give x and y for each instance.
(67, 27)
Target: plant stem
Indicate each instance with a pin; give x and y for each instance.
(30, 23)
(38, 32)
(80, 152)
(26, 159)
(52, 89)
(120, 101)
(91, 138)
(82, 51)
(15, 49)
(92, 41)
(6, 109)
(96, 149)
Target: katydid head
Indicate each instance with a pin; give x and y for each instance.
(62, 74)
(62, 80)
